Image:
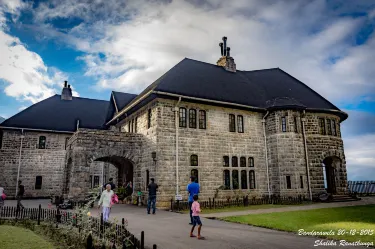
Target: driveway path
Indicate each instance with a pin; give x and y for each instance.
(171, 231)
(363, 201)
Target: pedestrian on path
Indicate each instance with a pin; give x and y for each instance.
(196, 209)
(193, 189)
(20, 193)
(152, 188)
(105, 201)
(2, 197)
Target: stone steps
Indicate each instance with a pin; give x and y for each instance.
(343, 198)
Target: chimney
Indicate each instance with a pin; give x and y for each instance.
(66, 93)
(226, 61)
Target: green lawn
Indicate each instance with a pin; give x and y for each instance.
(250, 207)
(20, 238)
(348, 219)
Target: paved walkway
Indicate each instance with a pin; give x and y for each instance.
(171, 231)
(363, 201)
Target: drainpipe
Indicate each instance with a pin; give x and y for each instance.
(306, 155)
(19, 163)
(266, 153)
(176, 109)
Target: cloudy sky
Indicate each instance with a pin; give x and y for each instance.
(104, 45)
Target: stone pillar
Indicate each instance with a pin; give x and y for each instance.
(79, 181)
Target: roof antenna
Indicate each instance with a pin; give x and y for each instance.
(225, 45)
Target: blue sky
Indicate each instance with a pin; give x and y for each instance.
(100, 46)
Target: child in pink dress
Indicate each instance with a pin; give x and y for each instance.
(196, 209)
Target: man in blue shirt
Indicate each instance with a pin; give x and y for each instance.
(193, 189)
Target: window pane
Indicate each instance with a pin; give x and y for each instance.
(38, 182)
(194, 160)
(283, 124)
(194, 172)
(96, 181)
(226, 161)
(226, 179)
(232, 123)
(334, 128)
(243, 179)
(202, 119)
(235, 179)
(240, 123)
(301, 180)
(251, 162)
(242, 162)
(182, 119)
(252, 179)
(329, 129)
(295, 125)
(192, 118)
(42, 142)
(234, 161)
(322, 128)
(288, 182)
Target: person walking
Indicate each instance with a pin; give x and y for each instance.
(196, 209)
(193, 189)
(105, 202)
(20, 193)
(152, 188)
(2, 197)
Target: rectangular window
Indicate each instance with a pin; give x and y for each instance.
(232, 123)
(322, 126)
(288, 182)
(301, 181)
(252, 179)
(226, 161)
(182, 115)
(283, 124)
(96, 181)
(234, 161)
(1, 139)
(334, 133)
(240, 123)
(251, 161)
(243, 179)
(149, 116)
(295, 125)
(135, 125)
(192, 118)
(226, 179)
(329, 128)
(38, 182)
(202, 119)
(242, 161)
(235, 179)
(42, 142)
(194, 172)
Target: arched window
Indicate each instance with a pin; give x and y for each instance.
(322, 126)
(235, 180)
(251, 161)
(38, 182)
(240, 123)
(193, 160)
(226, 161)
(194, 172)
(192, 118)
(226, 179)
(232, 123)
(243, 179)
(334, 128)
(182, 115)
(243, 161)
(234, 161)
(252, 179)
(42, 142)
(202, 119)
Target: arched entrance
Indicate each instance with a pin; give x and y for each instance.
(331, 166)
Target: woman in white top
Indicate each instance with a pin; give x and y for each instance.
(105, 201)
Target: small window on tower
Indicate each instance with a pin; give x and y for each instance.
(42, 142)
(38, 182)
(182, 117)
(232, 123)
(192, 118)
(283, 124)
(193, 160)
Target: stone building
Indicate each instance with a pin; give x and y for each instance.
(239, 132)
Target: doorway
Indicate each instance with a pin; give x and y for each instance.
(331, 166)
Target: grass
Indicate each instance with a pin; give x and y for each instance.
(250, 207)
(21, 238)
(358, 218)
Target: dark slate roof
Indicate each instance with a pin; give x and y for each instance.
(268, 88)
(61, 115)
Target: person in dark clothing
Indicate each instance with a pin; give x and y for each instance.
(20, 193)
(152, 188)
(113, 186)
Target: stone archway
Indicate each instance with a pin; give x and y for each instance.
(117, 148)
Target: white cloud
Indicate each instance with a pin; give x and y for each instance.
(26, 75)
